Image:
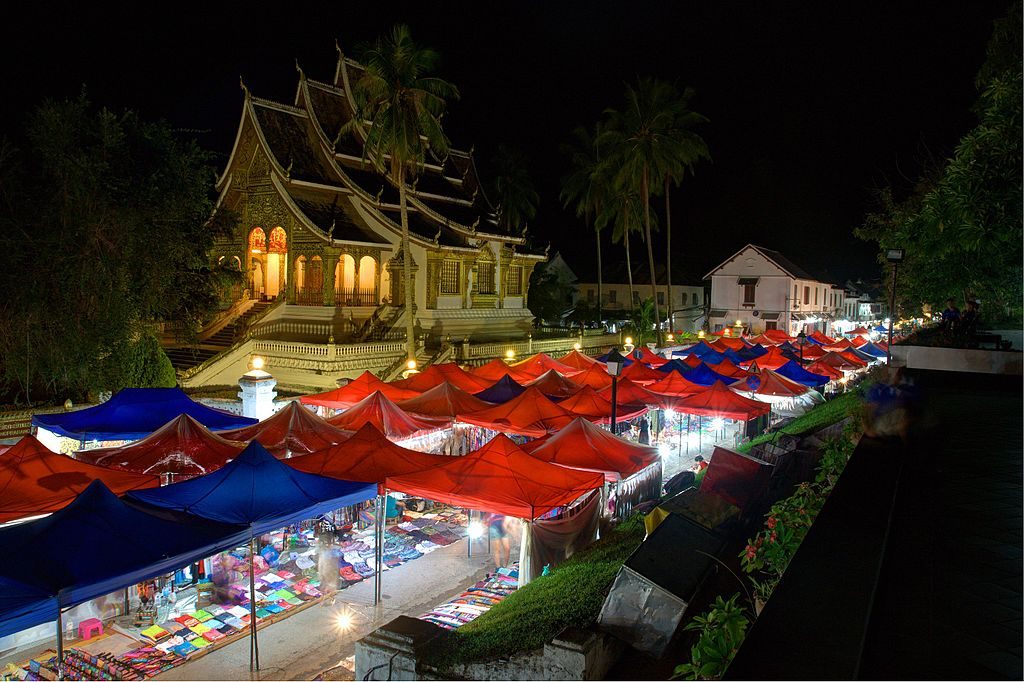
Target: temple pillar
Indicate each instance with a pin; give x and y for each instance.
(290, 288)
(330, 264)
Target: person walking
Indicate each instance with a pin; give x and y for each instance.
(497, 530)
(950, 316)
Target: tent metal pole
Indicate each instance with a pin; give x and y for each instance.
(700, 426)
(469, 538)
(679, 430)
(127, 604)
(687, 435)
(378, 554)
(60, 644)
(254, 646)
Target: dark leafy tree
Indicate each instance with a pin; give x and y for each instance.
(516, 196)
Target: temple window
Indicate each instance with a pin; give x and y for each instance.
(257, 241)
(515, 280)
(450, 270)
(278, 241)
(485, 279)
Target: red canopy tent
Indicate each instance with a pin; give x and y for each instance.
(840, 345)
(530, 413)
(859, 341)
(387, 417)
(367, 457)
(496, 369)
(860, 362)
(351, 393)
(728, 368)
(582, 445)
(34, 480)
(292, 430)
(554, 385)
(445, 400)
(692, 360)
(821, 368)
(630, 393)
(642, 374)
(767, 382)
(596, 376)
(724, 343)
(499, 478)
(435, 375)
(763, 340)
(777, 336)
(540, 363)
(837, 361)
(719, 401)
(588, 403)
(812, 351)
(821, 338)
(674, 384)
(649, 357)
(181, 448)
(773, 359)
(579, 360)
(859, 331)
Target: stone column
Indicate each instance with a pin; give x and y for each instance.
(257, 394)
(330, 263)
(290, 289)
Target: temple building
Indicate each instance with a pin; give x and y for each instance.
(320, 227)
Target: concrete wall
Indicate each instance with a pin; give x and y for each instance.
(958, 360)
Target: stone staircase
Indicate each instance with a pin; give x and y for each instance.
(186, 357)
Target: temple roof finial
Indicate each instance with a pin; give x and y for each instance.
(299, 68)
(241, 84)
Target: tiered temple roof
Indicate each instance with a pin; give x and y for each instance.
(319, 169)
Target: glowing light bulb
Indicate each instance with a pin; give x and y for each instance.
(343, 621)
(510, 354)
(577, 347)
(411, 364)
(257, 362)
(476, 530)
(717, 424)
(629, 340)
(670, 414)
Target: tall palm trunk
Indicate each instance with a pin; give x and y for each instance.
(645, 195)
(629, 261)
(410, 323)
(600, 317)
(668, 259)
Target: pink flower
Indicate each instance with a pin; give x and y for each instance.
(772, 521)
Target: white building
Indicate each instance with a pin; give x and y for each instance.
(686, 304)
(762, 289)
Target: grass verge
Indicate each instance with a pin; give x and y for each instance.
(571, 595)
(817, 418)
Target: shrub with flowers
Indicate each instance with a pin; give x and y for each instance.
(769, 552)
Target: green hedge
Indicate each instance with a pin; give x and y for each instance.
(571, 595)
(818, 417)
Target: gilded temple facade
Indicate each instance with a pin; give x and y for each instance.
(320, 227)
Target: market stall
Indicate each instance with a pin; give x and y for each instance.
(501, 391)
(35, 481)
(388, 418)
(554, 385)
(351, 393)
(796, 372)
(530, 414)
(443, 401)
(589, 404)
(435, 375)
(786, 397)
(538, 364)
(131, 414)
(496, 369)
(182, 448)
(595, 376)
(291, 431)
(578, 360)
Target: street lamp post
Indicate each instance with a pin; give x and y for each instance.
(615, 362)
(894, 256)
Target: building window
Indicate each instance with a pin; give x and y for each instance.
(695, 298)
(807, 295)
(796, 296)
(450, 277)
(515, 280)
(661, 298)
(590, 295)
(485, 278)
(636, 298)
(815, 295)
(771, 324)
(613, 296)
(748, 293)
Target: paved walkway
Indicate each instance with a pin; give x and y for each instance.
(304, 645)
(949, 598)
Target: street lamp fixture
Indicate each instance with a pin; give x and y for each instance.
(627, 345)
(510, 355)
(615, 363)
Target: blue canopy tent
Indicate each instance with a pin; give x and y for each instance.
(626, 361)
(881, 329)
(750, 353)
(23, 606)
(864, 355)
(733, 356)
(871, 349)
(674, 365)
(700, 349)
(705, 376)
(501, 391)
(261, 492)
(134, 413)
(787, 347)
(794, 370)
(97, 545)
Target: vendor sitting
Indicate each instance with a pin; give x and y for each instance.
(699, 468)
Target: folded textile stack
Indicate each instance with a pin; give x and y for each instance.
(476, 600)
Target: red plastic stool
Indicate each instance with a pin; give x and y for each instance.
(89, 628)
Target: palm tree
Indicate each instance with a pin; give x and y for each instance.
(624, 213)
(400, 105)
(644, 146)
(587, 187)
(517, 197)
(695, 149)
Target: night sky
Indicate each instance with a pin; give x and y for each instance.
(813, 105)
